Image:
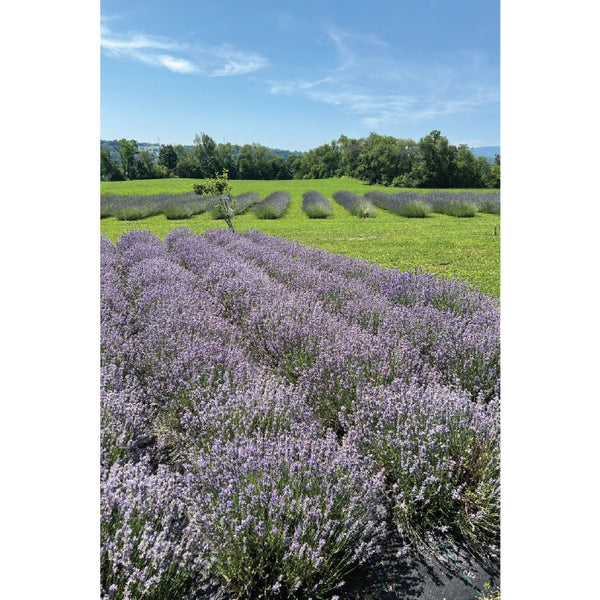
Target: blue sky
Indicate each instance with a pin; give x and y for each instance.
(296, 75)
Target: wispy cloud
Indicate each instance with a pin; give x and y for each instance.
(236, 62)
(383, 89)
(220, 61)
(346, 55)
(177, 65)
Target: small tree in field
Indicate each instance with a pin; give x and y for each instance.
(222, 188)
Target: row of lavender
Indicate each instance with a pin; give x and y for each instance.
(173, 206)
(271, 411)
(314, 205)
(450, 203)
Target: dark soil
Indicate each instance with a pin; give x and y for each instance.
(422, 575)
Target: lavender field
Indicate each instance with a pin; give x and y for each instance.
(274, 417)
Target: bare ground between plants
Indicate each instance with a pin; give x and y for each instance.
(419, 575)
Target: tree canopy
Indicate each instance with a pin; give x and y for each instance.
(432, 162)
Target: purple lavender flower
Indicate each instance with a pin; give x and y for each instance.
(148, 548)
(440, 453)
(287, 514)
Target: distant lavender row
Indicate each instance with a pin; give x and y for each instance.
(356, 205)
(241, 204)
(273, 206)
(437, 201)
(226, 358)
(173, 206)
(316, 206)
(140, 207)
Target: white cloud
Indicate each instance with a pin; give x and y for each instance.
(141, 47)
(177, 65)
(135, 42)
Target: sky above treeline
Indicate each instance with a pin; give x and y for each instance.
(295, 75)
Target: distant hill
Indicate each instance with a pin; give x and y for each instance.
(487, 151)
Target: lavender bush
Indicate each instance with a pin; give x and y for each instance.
(288, 516)
(316, 206)
(462, 346)
(455, 208)
(440, 453)
(414, 210)
(355, 204)
(404, 203)
(265, 406)
(273, 206)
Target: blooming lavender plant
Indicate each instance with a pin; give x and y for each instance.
(287, 516)
(455, 204)
(148, 549)
(454, 329)
(264, 406)
(440, 453)
(356, 205)
(127, 418)
(409, 288)
(273, 206)
(316, 206)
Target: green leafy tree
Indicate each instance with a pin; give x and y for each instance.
(383, 158)
(279, 169)
(109, 170)
(246, 163)
(168, 157)
(220, 186)
(203, 154)
(145, 168)
(350, 155)
(435, 162)
(161, 172)
(292, 164)
(225, 156)
(127, 151)
(188, 167)
(494, 177)
(469, 171)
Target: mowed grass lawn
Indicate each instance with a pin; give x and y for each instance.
(467, 248)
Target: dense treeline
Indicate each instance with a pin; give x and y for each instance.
(432, 162)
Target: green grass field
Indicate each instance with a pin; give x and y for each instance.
(449, 246)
